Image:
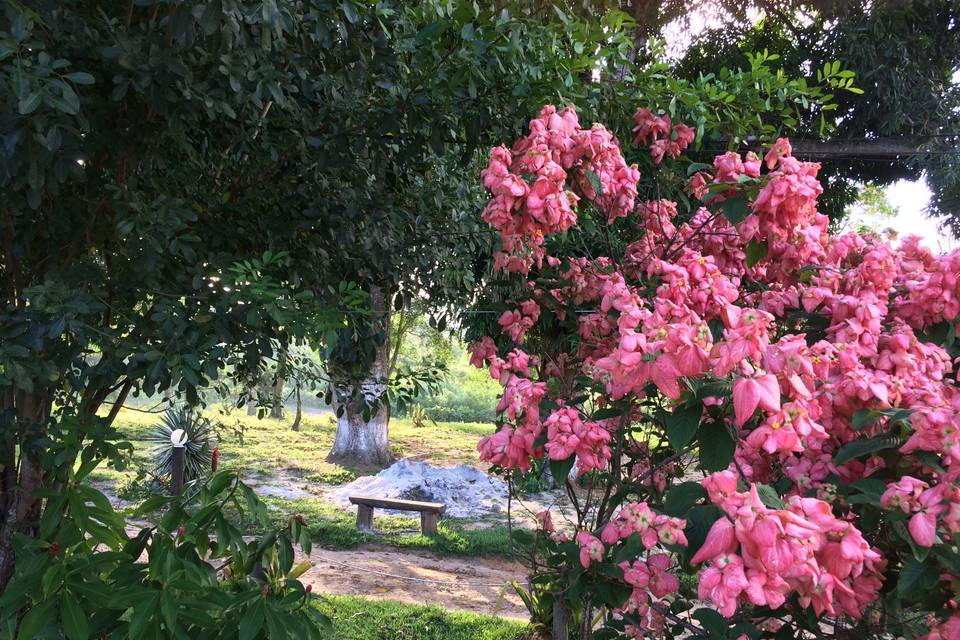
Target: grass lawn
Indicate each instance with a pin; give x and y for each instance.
(267, 445)
(361, 619)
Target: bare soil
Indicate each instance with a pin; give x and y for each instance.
(477, 585)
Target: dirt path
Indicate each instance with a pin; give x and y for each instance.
(478, 585)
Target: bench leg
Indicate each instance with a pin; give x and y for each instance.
(428, 522)
(364, 517)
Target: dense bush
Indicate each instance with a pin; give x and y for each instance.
(748, 398)
(193, 574)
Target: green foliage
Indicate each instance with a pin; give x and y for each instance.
(82, 575)
(467, 394)
(199, 447)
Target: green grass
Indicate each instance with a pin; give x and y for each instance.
(268, 445)
(357, 618)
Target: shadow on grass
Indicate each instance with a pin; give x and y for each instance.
(333, 528)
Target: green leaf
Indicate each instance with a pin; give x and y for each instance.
(699, 521)
(80, 77)
(74, 619)
(210, 18)
(150, 505)
(35, 620)
(606, 413)
(681, 425)
(860, 448)
(713, 623)
(143, 613)
(735, 209)
(561, 469)
(252, 621)
(768, 496)
(756, 251)
(29, 103)
(682, 497)
(716, 447)
(916, 578)
(350, 12)
(595, 182)
(168, 607)
(865, 418)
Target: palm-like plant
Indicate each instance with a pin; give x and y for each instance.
(200, 442)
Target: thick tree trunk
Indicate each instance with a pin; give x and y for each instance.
(252, 402)
(360, 440)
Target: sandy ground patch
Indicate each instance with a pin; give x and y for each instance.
(478, 585)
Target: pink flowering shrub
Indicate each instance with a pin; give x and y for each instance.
(747, 399)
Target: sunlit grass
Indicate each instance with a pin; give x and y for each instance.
(356, 618)
(267, 446)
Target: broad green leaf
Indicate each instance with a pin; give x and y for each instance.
(769, 497)
(35, 619)
(252, 620)
(916, 578)
(560, 469)
(681, 424)
(29, 103)
(756, 251)
(861, 448)
(80, 77)
(716, 447)
(74, 618)
(682, 497)
(735, 208)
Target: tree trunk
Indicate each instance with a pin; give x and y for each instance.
(561, 620)
(19, 507)
(296, 420)
(252, 402)
(360, 440)
(276, 410)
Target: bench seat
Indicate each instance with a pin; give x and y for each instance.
(429, 511)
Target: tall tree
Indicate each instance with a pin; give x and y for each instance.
(904, 121)
(410, 110)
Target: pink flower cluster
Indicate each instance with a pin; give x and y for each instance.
(654, 528)
(761, 555)
(568, 435)
(926, 506)
(515, 323)
(663, 137)
(948, 630)
(815, 332)
(531, 184)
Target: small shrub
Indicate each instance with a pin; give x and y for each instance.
(139, 486)
(200, 442)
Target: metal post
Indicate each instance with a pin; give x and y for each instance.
(177, 469)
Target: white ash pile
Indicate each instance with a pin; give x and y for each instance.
(467, 491)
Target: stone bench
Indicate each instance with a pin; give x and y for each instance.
(429, 511)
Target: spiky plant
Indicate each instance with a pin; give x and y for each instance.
(200, 442)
